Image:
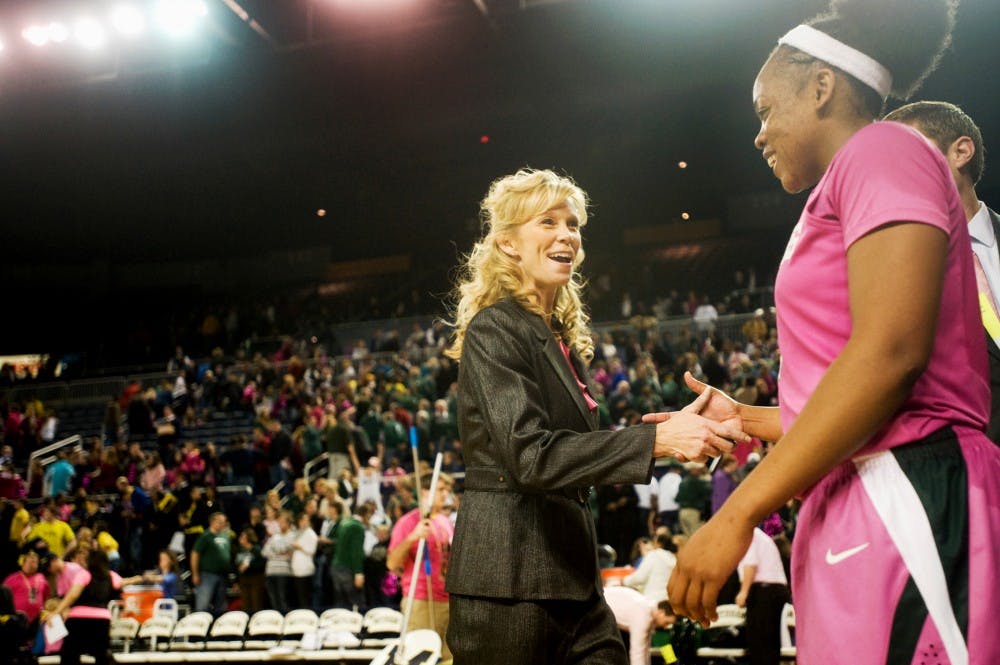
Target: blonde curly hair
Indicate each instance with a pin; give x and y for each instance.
(489, 275)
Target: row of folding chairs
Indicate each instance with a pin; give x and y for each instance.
(733, 617)
(266, 629)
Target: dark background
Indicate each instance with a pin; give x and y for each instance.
(126, 174)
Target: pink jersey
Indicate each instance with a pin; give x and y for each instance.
(885, 173)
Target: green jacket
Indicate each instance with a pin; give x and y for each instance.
(350, 551)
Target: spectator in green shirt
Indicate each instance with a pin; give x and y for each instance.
(347, 568)
(693, 497)
(211, 562)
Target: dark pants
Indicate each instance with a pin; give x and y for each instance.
(86, 636)
(345, 594)
(252, 593)
(764, 604)
(279, 591)
(302, 598)
(321, 592)
(668, 518)
(488, 631)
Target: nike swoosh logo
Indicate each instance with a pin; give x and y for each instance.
(834, 559)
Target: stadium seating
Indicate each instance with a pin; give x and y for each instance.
(788, 650)
(228, 630)
(730, 617)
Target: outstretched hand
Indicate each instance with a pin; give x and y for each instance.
(703, 566)
(689, 436)
(711, 403)
(707, 427)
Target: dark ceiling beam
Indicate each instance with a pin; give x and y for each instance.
(251, 21)
(530, 4)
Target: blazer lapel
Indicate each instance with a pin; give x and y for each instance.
(554, 354)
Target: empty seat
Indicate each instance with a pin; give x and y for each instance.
(381, 626)
(422, 647)
(191, 631)
(166, 607)
(298, 623)
(124, 630)
(228, 630)
(155, 628)
(788, 649)
(731, 617)
(342, 620)
(264, 630)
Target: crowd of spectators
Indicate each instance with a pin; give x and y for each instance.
(215, 520)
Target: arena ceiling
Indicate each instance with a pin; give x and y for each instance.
(394, 116)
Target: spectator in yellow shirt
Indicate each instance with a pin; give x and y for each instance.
(56, 533)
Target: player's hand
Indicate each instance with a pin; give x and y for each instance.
(704, 564)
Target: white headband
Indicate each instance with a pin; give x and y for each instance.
(835, 52)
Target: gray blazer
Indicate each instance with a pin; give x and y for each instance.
(531, 450)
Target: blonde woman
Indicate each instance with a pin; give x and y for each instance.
(523, 573)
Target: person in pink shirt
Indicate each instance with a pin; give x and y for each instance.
(438, 531)
(639, 616)
(64, 572)
(763, 592)
(85, 610)
(883, 387)
(29, 587)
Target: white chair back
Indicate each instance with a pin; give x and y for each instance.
(300, 621)
(156, 627)
(269, 623)
(230, 624)
(422, 646)
(166, 607)
(124, 629)
(342, 620)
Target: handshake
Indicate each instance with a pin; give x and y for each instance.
(706, 428)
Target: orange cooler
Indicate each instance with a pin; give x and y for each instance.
(614, 576)
(138, 600)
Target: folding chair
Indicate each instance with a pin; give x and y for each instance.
(266, 627)
(194, 625)
(381, 626)
(341, 629)
(229, 625)
(422, 647)
(156, 627)
(298, 623)
(124, 629)
(731, 617)
(342, 620)
(166, 607)
(788, 650)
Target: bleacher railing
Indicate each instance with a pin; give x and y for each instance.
(45, 455)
